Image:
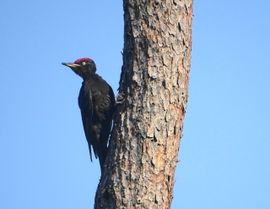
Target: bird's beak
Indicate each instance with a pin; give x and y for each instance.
(71, 65)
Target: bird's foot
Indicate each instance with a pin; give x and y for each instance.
(120, 99)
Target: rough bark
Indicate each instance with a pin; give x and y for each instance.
(143, 150)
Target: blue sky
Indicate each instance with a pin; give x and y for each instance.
(225, 151)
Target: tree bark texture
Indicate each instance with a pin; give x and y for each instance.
(144, 145)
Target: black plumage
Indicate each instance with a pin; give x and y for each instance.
(96, 102)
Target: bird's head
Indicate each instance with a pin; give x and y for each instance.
(84, 67)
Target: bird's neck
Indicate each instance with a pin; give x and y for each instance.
(88, 76)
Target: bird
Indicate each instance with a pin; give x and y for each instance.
(97, 103)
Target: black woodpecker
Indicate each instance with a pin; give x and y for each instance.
(97, 102)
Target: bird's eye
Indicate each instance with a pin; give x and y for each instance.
(83, 63)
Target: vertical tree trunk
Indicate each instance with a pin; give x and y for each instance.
(143, 151)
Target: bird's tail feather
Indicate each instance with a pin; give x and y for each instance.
(90, 152)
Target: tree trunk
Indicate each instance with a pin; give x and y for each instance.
(143, 150)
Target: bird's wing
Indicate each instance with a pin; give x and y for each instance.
(112, 96)
(104, 109)
(106, 103)
(86, 106)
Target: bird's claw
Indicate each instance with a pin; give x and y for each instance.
(120, 99)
